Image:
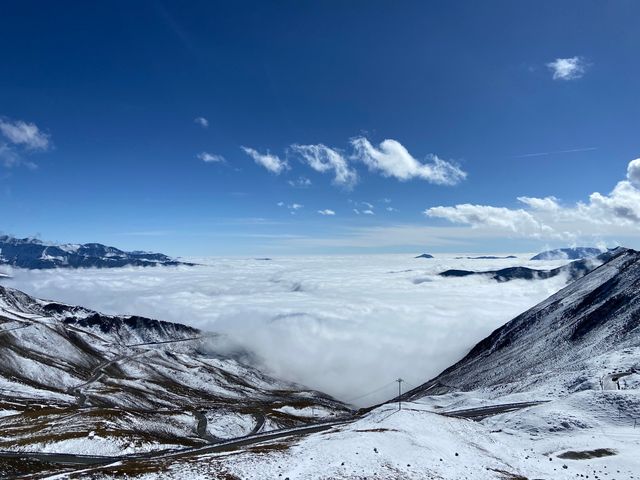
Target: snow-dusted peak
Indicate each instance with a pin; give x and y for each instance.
(34, 254)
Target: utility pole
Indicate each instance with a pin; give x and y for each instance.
(399, 393)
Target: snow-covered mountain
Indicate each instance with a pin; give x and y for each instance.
(564, 343)
(74, 380)
(33, 254)
(571, 253)
(572, 270)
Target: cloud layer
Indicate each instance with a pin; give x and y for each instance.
(345, 325)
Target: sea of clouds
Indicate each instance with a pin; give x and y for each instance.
(345, 325)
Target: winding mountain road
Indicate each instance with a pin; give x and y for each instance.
(490, 410)
(96, 374)
(67, 459)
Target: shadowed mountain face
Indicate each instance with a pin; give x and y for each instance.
(34, 254)
(66, 371)
(574, 253)
(573, 270)
(561, 343)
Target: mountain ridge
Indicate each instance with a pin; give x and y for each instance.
(31, 253)
(570, 253)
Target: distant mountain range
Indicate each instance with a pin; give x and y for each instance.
(424, 255)
(574, 253)
(34, 254)
(573, 270)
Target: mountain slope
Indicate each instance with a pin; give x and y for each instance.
(563, 344)
(138, 384)
(34, 254)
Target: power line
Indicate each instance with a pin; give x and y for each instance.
(371, 392)
(399, 381)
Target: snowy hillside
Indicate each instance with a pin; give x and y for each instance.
(33, 254)
(76, 381)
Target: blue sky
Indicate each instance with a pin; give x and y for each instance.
(433, 116)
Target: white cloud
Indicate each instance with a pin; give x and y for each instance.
(324, 159)
(356, 211)
(368, 212)
(516, 221)
(567, 68)
(326, 212)
(210, 157)
(273, 163)
(392, 159)
(621, 206)
(300, 182)
(203, 122)
(293, 207)
(546, 203)
(633, 172)
(17, 139)
(616, 213)
(24, 134)
(367, 204)
(391, 209)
